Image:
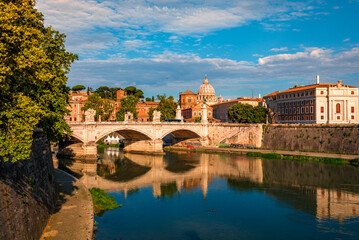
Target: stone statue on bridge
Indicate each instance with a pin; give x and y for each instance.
(90, 115)
(128, 117)
(156, 116)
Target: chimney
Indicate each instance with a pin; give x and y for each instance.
(317, 79)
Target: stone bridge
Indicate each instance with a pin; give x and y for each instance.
(147, 136)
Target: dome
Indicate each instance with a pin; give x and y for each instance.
(206, 88)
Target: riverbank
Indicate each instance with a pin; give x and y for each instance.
(73, 218)
(348, 157)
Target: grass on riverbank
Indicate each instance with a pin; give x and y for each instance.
(102, 201)
(300, 158)
(118, 145)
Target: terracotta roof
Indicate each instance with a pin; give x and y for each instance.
(313, 86)
(188, 92)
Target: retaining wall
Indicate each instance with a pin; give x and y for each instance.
(27, 192)
(321, 138)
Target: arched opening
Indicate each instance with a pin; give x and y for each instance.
(181, 137)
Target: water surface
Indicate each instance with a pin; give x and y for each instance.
(219, 196)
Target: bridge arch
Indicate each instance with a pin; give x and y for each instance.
(128, 133)
(78, 137)
(185, 132)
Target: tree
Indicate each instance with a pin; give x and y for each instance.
(102, 91)
(133, 91)
(245, 113)
(113, 92)
(78, 88)
(128, 104)
(103, 107)
(167, 107)
(148, 99)
(33, 68)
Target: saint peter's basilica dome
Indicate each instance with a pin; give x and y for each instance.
(205, 88)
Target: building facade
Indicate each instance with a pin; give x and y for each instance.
(322, 103)
(220, 110)
(190, 114)
(143, 109)
(76, 102)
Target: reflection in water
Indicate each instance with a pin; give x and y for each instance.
(327, 193)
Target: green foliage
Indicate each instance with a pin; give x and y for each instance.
(197, 119)
(148, 99)
(103, 107)
(167, 107)
(264, 155)
(33, 68)
(133, 91)
(102, 201)
(78, 88)
(245, 113)
(128, 104)
(103, 91)
(169, 190)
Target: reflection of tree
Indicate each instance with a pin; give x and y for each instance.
(133, 191)
(169, 190)
(126, 170)
(242, 185)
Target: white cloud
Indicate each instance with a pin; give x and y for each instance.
(171, 72)
(346, 40)
(281, 49)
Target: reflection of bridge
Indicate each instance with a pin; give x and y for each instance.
(203, 171)
(147, 136)
(316, 192)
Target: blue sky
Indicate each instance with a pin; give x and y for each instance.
(167, 46)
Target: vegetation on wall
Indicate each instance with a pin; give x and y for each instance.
(33, 68)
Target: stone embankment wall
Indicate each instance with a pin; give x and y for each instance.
(321, 138)
(27, 192)
(235, 133)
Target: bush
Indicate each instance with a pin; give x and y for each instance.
(102, 201)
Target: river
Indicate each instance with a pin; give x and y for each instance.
(189, 195)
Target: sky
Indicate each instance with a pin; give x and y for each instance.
(243, 46)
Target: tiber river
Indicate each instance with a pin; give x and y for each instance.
(188, 195)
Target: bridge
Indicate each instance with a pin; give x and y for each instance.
(147, 137)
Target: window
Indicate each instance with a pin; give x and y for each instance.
(286, 110)
(321, 92)
(302, 109)
(322, 117)
(295, 118)
(75, 113)
(352, 92)
(352, 117)
(352, 109)
(337, 108)
(290, 118)
(295, 103)
(199, 113)
(306, 109)
(306, 117)
(322, 109)
(70, 119)
(306, 102)
(311, 109)
(189, 99)
(311, 102)
(302, 103)
(209, 113)
(194, 113)
(311, 117)
(290, 110)
(298, 110)
(75, 119)
(294, 110)
(302, 117)
(338, 117)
